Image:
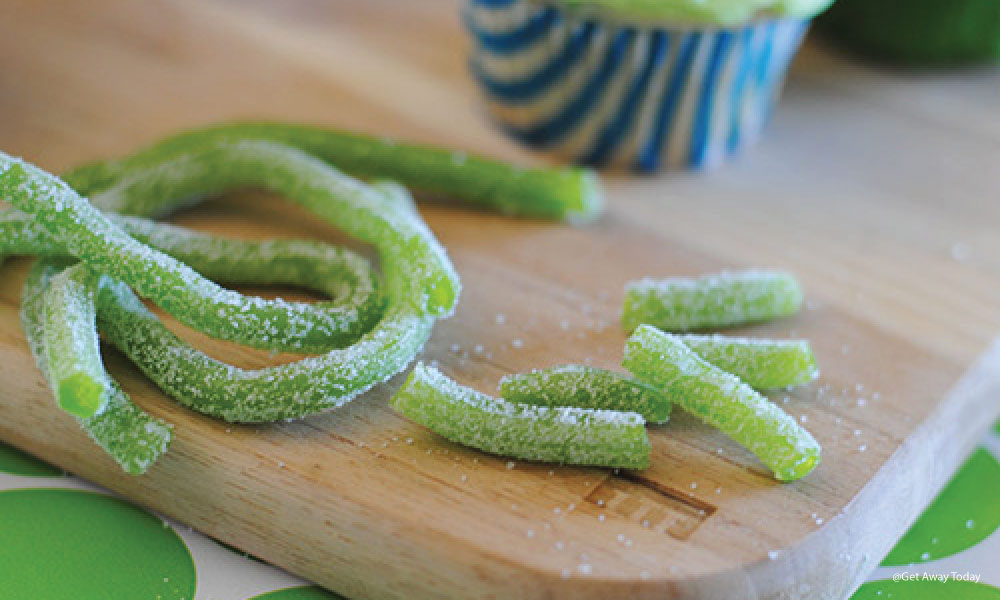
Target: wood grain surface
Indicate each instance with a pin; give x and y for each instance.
(877, 187)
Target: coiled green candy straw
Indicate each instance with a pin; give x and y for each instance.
(198, 302)
(419, 283)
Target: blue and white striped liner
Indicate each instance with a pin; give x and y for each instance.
(644, 98)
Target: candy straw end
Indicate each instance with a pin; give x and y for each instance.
(80, 395)
(591, 198)
(799, 469)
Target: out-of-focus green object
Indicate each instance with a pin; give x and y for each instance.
(918, 32)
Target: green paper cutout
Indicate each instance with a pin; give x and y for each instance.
(309, 592)
(15, 462)
(72, 544)
(960, 517)
(925, 590)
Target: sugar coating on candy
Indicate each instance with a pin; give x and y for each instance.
(292, 390)
(335, 271)
(723, 401)
(344, 276)
(175, 286)
(214, 387)
(721, 300)
(355, 306)
(761, 363)
(586, 387)
(73, 351)
(134, 439)
(387, 327)
(558, 434)
(569, 193)
(368, 214)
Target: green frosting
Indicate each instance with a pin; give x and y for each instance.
(698, 12)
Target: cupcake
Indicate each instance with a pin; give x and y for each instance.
(920, 32)
(641, 84)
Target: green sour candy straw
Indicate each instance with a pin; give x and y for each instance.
(286, 391)
(200, 303)
(723, 401)
(174, 266)
(344, 276)
(72, 347)
(566, 193)
(586, 387)
(761, 363)
(565, 435)
(722, 300)
(372, 215)
(134, 439)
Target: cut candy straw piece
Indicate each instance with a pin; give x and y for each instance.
(723, 300)
(761, 363)
(566, 435)
(723, 401)
(586, 387)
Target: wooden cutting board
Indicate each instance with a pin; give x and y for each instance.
(877, 188)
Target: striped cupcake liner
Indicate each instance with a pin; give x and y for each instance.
(643, 98)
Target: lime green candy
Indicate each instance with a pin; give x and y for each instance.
(558, 434)
(723, 401)
(287, 391)
(336, 272)
(194, 300)
(328, 269)
(567, 193)
(722, 300)
(73, 351)
(175, 267)
(418, 281)
(134, 439)
(586, 387)
(370, 214)
(309, 385)
(761, 363)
